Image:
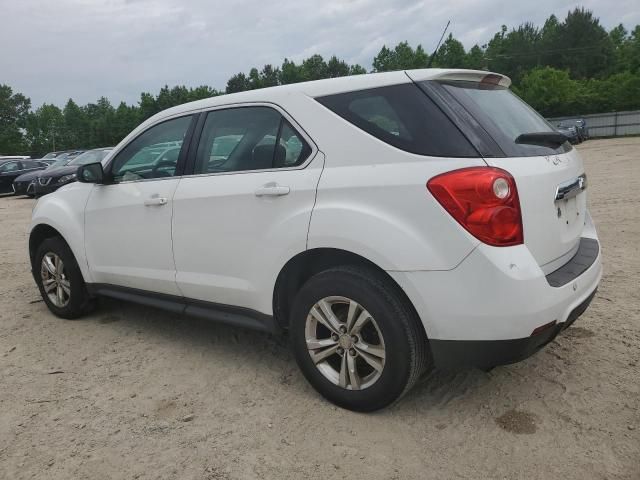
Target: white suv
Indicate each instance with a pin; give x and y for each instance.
(390, 222)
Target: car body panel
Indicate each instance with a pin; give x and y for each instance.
(127, 242)
(552, 228)
(218, 219)
(65, 213)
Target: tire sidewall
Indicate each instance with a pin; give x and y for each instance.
(385, 310)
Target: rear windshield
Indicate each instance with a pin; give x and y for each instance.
(504, 116)
(402, 116)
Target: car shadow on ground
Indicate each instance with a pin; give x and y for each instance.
(223, 343)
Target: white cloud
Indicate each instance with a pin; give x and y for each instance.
(119, 48)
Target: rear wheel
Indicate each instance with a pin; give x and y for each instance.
(60, 280)
(355, 339)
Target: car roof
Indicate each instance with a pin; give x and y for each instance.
(329, 86)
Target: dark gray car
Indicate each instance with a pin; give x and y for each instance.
(53, 178)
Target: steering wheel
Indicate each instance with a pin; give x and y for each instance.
(156, 172)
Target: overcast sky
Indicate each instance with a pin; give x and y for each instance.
(51, 50)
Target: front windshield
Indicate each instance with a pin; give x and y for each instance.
(50, 155)
(92, 156)
(61, 162)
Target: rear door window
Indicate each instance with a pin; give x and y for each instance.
(248, 138)
(402, 116)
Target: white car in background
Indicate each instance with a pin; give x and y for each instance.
(390, 222)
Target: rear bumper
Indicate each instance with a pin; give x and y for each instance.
(484, 354)
(485, 311)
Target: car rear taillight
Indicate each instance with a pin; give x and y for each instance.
(484, 200)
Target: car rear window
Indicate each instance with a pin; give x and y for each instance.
(402, 116)
(504, 116)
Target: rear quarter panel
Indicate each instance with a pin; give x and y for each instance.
(372, 198)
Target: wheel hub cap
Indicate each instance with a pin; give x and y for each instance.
(345, 343)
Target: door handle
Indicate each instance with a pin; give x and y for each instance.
(272, 190)
(155, 201)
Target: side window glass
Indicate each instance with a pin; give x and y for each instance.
(153, 154)
(9, 167)
(402, 116)
(248, 138)
(237, 139)
(292, 150)
(377, 111)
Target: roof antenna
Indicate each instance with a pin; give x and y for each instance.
(433, 55)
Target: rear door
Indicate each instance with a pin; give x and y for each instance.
(245, 210)
(550, 178)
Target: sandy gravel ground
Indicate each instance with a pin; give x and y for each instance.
(130, 392)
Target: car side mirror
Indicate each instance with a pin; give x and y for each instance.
(90, 173)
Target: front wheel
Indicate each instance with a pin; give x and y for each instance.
(355, 339)
(60, 280)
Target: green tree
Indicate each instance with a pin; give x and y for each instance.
(14, 111)
(516, 52)
(290, 72)
(451, 54)
(238, 83)
(44, 129)
(548, 90)
(583, 46)
(476, 59)
(402, 57)
(314, 68)
(75, 125)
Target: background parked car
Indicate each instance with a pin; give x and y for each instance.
(51, 157)
(11, 169)
(25, 183)
(580, 125)
(53, 178)
(570, 132)
(12, 157)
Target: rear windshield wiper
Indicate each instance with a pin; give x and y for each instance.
(544, 139)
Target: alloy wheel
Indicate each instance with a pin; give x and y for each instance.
(345, 343)
(55, 282)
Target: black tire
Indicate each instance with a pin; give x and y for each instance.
(79, 302)
(406, 345)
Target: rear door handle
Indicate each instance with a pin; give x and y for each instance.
(272, 190)
(155, 202)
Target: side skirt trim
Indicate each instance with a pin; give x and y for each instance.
(227, 314)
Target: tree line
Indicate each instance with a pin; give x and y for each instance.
(569, 67)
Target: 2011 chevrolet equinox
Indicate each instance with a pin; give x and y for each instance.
(391, 222)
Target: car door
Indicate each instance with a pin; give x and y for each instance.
(246, 208)
(128, 220)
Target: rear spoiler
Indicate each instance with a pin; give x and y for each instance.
(478, 76)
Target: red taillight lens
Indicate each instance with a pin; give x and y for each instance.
(484, 200)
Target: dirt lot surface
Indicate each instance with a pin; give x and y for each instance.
(131, 392)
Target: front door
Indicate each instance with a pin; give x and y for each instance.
(128, 220)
